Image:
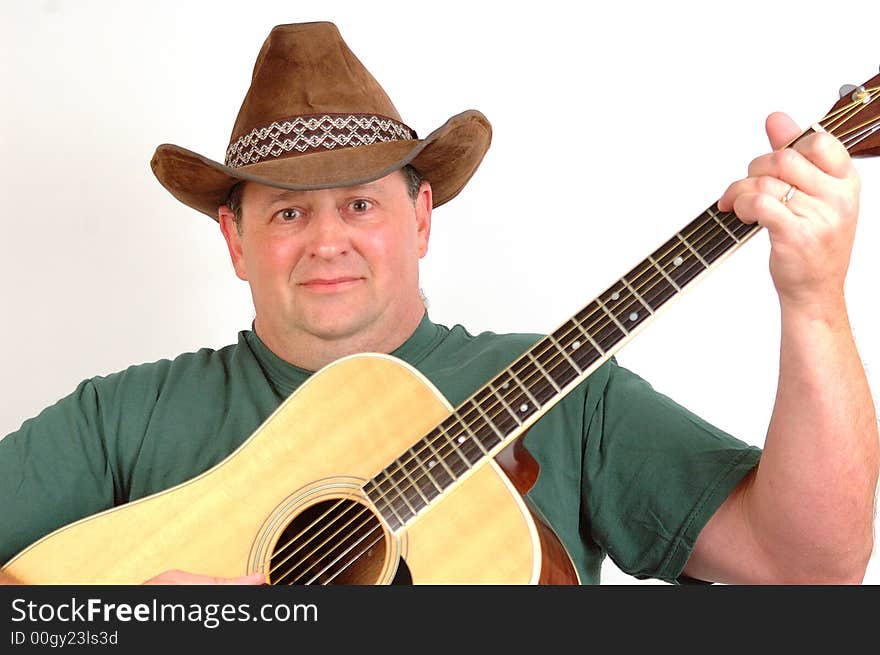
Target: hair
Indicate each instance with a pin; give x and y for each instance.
(411, 177)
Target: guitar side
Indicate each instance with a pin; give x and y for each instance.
(333, 433)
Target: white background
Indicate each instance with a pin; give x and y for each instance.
(614, 124)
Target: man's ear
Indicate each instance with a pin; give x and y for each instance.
(424, 205)
(233, 240)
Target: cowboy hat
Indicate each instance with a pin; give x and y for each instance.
(314, 118)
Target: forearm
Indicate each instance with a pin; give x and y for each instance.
(6, 579)
(811, 506)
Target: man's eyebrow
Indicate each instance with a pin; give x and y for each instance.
(289, 194)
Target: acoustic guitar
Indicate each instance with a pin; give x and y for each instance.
(343, 485)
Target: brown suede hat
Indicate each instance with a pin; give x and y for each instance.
(315, 118)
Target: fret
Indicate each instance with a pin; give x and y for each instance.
(637, 296)
(714, 216)
(612, 317)
(677, 260)
(399, 506)
(653, 286)
(714, 243)
(435, 487)
(577, 369)
(483, 429)
(532, 383)
(473, 432)
(463, 464)
(596, 347)
(740, 229)
(561, 368)
(689, 247)
(613, 296)
(605, 332)
(488, 420)
(663, 273)
(522, 388)
(458, 429)
(517, 401)
(376, 496)
(414, 478)
(502, 418)
(624, 307)
(399, 493)
(630, 312)
(730, 222)
(543, 370)
(389, 502)
(658, 287)
(457, 444)
(442, 461)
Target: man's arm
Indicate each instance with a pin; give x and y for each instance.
(178, 578)
(806, 514)
(6, 579)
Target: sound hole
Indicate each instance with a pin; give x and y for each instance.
(337, 541)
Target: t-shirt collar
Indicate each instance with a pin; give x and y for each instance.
(287, 377)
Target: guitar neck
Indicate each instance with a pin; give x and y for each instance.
(504, 408)
(501, 410)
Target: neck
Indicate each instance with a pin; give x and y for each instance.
(312, 351)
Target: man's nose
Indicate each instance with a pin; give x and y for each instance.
(329, 234)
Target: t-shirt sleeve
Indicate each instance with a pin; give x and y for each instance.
(54, 469)
(654, 474)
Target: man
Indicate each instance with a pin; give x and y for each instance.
(325, 215)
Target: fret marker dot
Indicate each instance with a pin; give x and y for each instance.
(576, 345)
(678, 261)
(505, 385)
(431, 464)
(460, 440)
(634, 316)
(615, 296)
(524, 407)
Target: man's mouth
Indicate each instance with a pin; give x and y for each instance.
(329, 285)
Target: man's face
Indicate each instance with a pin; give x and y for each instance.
(334, 265)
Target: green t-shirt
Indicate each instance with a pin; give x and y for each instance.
(624, 471)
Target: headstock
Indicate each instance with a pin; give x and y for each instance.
(855, 118)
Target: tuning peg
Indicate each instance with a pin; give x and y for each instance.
(857, 93)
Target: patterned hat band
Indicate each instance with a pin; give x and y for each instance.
(302, 135)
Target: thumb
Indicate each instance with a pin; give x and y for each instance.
(251, 579)
(781, 130)
(175, 576)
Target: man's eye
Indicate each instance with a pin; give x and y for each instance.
(289, 214)
(360, 205)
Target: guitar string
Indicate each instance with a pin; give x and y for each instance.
(696, 243)
(419, 493)
(864, 134)
(321, 520)
(559, 359)
(855, 108)
(347, 564)
(679, 249)
(632, 301)
(858, 138)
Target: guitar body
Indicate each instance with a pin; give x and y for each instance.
(302, 471)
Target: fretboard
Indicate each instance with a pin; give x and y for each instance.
(500, 411)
